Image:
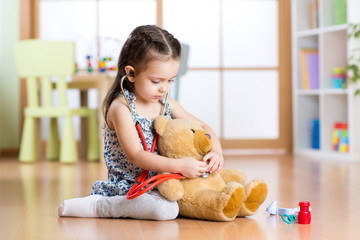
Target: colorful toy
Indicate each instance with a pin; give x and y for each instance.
(76, 68)
(89, 66)
(219, 197)
(102, 65)
(289, 218)
(272, 208)
(304, 216)
(339, 77)
(111, 68)
(288, 211)
(340, 137)
(301, 214)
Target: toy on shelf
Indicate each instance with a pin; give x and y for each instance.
(89, 66)
(339, 77)
(340, 137)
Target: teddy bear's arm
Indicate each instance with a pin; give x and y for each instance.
(171, 189)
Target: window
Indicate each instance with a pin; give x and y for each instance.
(99, 28)
(234, 61)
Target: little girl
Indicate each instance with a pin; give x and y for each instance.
(148, 63)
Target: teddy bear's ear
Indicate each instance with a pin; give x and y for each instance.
(160, 124)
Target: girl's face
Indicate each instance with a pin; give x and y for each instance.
(155, 81)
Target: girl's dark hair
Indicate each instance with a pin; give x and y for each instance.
(144, 44)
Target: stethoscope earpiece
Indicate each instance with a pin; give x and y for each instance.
(122, 89)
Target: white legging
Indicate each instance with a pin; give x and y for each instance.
(150, 205)
(147, 206)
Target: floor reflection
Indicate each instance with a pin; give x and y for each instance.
(92, 228)
(31, 193)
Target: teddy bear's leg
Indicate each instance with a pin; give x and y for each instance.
(232, 175)
(255, 194)
(212, 204)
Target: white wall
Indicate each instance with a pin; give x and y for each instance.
(1, 54)
(10, 103)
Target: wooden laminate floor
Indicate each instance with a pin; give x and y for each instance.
(30, 194)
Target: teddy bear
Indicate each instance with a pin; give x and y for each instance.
(220, 196)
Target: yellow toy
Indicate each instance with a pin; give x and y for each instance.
(220, 196)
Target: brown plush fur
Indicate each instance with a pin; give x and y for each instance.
(219, 197)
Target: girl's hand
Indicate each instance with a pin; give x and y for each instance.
(191, 168)
(214, 160)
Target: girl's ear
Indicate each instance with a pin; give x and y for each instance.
(130, 72)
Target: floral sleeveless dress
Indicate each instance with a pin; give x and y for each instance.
(122, 174)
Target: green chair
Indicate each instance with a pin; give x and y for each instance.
(45, 66)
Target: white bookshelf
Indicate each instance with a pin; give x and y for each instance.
(328, 104)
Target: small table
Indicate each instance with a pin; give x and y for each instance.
(102, 82)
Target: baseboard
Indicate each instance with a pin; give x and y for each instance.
(14, 152)
(9, 152)
(266, 151)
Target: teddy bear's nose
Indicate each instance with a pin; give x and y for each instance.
(208, 135)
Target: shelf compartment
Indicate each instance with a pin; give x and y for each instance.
(304, 19)
(308, 106)
(334, 49)
(330, 12)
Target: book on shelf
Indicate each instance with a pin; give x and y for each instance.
(340, 11)
(315, 144)
(309, 66)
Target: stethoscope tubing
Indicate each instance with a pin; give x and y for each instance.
(142, 184)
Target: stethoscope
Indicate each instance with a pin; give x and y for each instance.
(142, 184)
